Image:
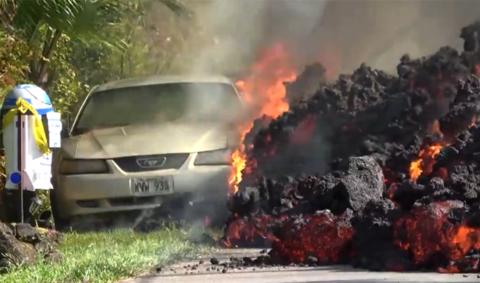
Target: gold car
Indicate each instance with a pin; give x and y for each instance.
(141, 143)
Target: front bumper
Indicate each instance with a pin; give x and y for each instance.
(99, 193)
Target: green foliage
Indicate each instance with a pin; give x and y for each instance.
(67, 89)
(67, 46)
(75, 18)
(151, 38)
(106, 256)
(14, 58)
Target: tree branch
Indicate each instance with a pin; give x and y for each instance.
(48, 48)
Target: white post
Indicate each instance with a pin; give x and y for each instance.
(21, 162)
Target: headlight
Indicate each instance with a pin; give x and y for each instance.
(214, 157)
(83, 166)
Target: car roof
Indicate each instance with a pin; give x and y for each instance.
(154, 80)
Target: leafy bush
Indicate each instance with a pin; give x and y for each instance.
(14, 58)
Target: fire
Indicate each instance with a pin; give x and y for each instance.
(265, 94)
(465, 239)
(415, 169)
(424, 162)
(239, 160)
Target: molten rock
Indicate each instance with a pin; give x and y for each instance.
(433, 238)
(399, 153)
(252, 231)
(373, 244)
(323, 236)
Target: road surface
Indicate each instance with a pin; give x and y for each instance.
(201, 270)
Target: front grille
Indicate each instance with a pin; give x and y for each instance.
(151, 162)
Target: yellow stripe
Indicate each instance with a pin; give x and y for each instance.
(39, 134)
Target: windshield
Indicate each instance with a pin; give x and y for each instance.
(159, 104)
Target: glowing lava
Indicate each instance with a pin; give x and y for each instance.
(426, 231)
(265, 94)
(323, 235)
(424, 162)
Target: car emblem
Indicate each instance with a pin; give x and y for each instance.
(151, 162)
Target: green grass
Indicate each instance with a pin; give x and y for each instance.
(106, 256)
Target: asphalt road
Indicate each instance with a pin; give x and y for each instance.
(201, 270)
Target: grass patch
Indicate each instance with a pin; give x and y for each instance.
(106, 256)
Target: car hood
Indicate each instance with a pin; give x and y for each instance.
(146, 140)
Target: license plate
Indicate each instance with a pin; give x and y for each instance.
(148, 186)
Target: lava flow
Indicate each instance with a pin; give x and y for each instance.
(322, 198)
(263, 91)
(430, 237)
(424, 162)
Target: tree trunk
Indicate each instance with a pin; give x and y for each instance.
(41, 78)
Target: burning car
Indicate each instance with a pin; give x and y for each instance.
(141, 143)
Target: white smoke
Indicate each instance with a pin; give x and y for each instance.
(226, 36)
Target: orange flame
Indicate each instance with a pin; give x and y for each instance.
(465, 239)
(424, 162)
(264, 92)
(239, 159)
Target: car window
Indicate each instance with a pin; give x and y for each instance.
(159, 104)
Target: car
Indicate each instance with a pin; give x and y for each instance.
(140, 144)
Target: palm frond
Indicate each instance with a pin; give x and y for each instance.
(58, 14)
(7, 13)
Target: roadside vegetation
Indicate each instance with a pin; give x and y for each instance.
(107, 256)
(67, 47)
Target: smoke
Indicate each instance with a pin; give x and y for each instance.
(228, 34)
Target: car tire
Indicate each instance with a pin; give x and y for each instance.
(61, 223)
